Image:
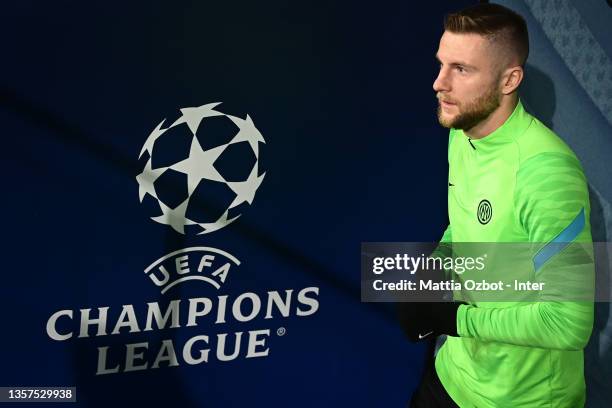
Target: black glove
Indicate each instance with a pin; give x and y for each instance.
(420, 320)
(428, 313)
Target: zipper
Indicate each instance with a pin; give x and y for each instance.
(470, 141)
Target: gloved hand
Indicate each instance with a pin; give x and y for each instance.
(428, 313)
(420, 320)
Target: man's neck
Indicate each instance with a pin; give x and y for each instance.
(494, 120)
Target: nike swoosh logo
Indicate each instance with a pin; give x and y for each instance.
(422, 336)
(451, 184)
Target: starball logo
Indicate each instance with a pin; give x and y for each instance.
(185, 171)
(201, 167)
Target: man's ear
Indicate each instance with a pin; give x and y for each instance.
(511, 79)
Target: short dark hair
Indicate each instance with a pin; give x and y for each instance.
(498, 23)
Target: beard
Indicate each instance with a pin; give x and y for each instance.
(473, 112)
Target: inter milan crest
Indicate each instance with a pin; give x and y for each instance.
(484, 212)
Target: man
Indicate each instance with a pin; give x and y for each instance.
(511, 179)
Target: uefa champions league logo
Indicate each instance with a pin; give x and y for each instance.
(194, 167)
(200, 166)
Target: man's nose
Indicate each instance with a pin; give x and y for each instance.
(441, 84)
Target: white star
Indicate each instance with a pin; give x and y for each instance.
(174, 217)
(193, 116)
(199, 165)
(148, 145)
(245, 190)
(146, 179)
(220, 223)
(248, 132)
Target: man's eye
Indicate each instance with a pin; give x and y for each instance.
(460, 68)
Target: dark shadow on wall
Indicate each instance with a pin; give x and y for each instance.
(538, 95)
(598, 353)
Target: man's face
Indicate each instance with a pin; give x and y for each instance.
(467, 85)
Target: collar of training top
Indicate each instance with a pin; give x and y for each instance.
(513, 127)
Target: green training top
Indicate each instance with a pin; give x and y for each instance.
(521, 183)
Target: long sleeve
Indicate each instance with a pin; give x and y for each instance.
(552, 205)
